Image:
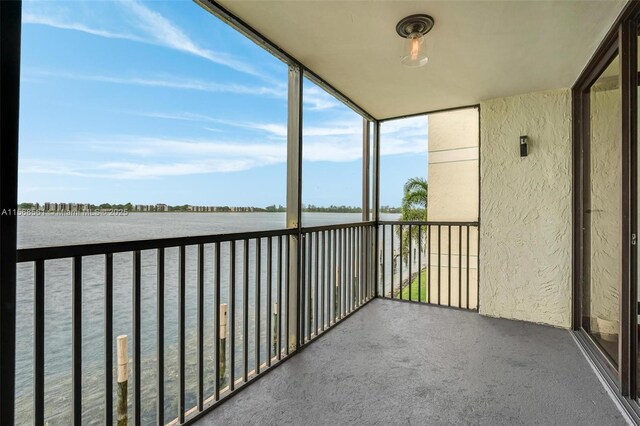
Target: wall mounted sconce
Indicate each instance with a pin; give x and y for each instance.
(413, 28)
(524, 147)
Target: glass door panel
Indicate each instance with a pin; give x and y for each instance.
(602, 221)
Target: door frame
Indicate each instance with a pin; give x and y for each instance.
(620, 41)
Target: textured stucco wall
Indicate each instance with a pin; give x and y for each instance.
(525, 242)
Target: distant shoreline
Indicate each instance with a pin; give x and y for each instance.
(86, 210)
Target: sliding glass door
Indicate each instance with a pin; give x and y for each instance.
(602, 213)
(605, 201)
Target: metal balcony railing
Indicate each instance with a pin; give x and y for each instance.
(430, 262)
(251, 314)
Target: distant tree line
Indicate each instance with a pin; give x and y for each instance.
(190, 208)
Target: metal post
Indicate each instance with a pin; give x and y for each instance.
(366, 155)
(10, 25)
(294, 198)
(376, 198)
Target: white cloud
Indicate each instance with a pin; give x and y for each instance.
(134, 157)
(186, 84)
(317, 99)
(146, 26)
(149, 158)
(164, 33)
(32, 18)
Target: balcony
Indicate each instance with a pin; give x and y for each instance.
(396, 363)
(516, 302)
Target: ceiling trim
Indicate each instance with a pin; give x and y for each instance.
(238, 24)
(435, 111)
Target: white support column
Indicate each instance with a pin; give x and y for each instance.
(366, 160)
(375, 181)
(294, 197)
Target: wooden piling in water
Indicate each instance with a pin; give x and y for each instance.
(274, 335)
(123, 378)
(222, 368)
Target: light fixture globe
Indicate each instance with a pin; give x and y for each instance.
(412, 29)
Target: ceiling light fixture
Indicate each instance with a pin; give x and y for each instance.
(413, 28)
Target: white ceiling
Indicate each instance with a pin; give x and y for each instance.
(477, 49)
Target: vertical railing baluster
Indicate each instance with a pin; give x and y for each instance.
(476, 273)
(410, 262)
(308, 257)
(256, 303)
(449, 266)
(200, 327)
(366, 252)
(467, 266)
(393, 259)
(302, 298)
(325, 284)
(439, 262)
(328, 275)
(38, 346)
(76, 342)
(108, 339)
(338, 285)
(428, 264)
(356, 267)
(419, 263)
(216, 324)
(347, 271)
(160, 338)
(366, 255)
(345, 280)
(383, 264)
(137, 336)
(401, 261)
(368, 265)
(335, 275)
(351, 271)
(350, 260)
(361, 265)
(363, 261)
(459, 266)
(231, 315)
(344, 268)
(182, 280)
(279, 297)
(372, 272)
(338, 303)
(287, 292)
(317, 282)
(245, 311)
(269, 298)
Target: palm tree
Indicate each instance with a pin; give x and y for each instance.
(414, 208)
(414, 201)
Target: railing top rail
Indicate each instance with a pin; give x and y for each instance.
(62, 252)
(417, 222)
(307, 229)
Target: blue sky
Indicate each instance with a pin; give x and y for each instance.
(146, 102)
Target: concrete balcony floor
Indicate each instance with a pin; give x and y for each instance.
(401, 363)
